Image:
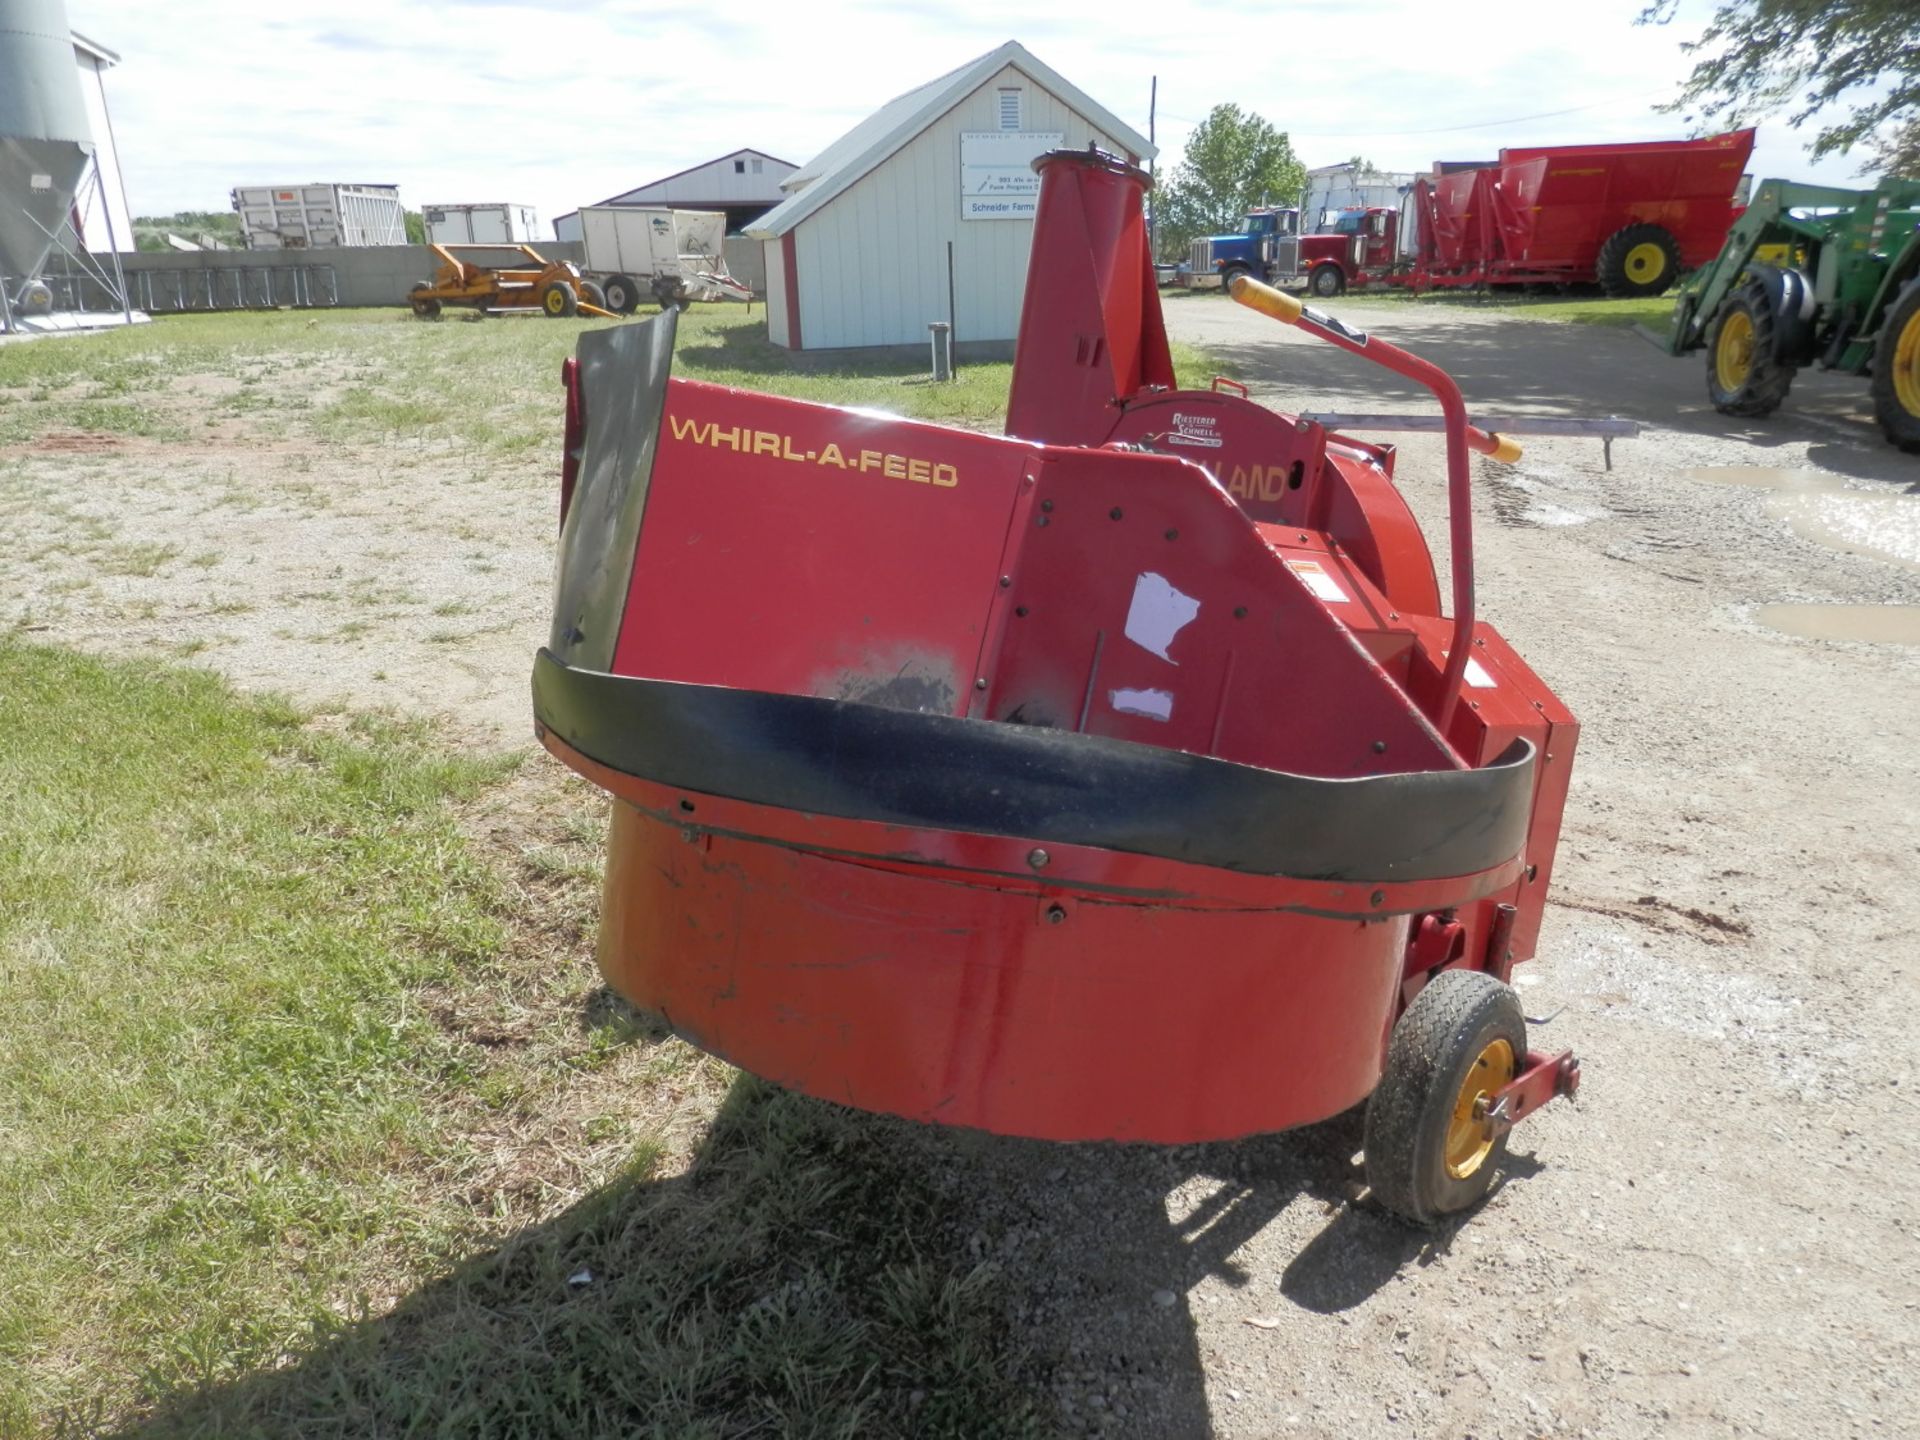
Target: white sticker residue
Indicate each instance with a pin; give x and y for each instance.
(1478, 678)
(1148, 704)
(1158, 613)
(1316, 579)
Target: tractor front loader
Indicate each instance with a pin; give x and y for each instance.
(1812, 275)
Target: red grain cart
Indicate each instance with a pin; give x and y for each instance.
(1049, 785)
(1631, 217)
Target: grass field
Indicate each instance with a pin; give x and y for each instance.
(314, 1116)
(313, 1121)
(362, 375)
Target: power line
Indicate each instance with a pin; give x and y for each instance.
(1475, 125)
(1495, 124)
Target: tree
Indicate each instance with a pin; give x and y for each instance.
(1859, 57)
(416, 227)
(1897, 152)
(1234, 160)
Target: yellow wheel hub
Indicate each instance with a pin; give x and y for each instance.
(1906, 366)
(1646, 262)
(1733, 352)
(555, 304)
(1470, 1135)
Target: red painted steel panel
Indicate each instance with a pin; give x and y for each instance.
(1090, 321)
(816, 551)
(1155, 612)
(1050, 1012)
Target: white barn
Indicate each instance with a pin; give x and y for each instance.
(857, 255)
(743, 183)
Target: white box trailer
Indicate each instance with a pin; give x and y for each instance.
(315, 217)
(676, 256)
(1340, 187)
(500, 224)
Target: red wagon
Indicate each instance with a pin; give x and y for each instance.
(1631, 216)
(1048, 785)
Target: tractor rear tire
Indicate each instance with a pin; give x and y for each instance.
(557, 300)
(1743, 375)
(1640, 260)
(1896, 371)
(424, 306)
(593, 295)
(1429, 1154)
(1328, 281)
(623, 296)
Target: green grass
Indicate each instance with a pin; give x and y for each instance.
(381, 377)
(309, 1109)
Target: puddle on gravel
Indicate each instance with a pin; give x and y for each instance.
(1822, 508)
(1884, 526)
(1871, 624)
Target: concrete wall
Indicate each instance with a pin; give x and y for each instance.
(239, 279)
(371, 275)
(872, 263)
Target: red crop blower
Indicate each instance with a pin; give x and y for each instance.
(1119, 780)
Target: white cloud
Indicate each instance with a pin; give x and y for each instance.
(556, 104)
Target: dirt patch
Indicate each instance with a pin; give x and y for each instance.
(403, 576)
(70, 443)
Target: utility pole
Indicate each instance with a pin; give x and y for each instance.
(1153, 200)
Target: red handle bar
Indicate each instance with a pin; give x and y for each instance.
(1461, 437)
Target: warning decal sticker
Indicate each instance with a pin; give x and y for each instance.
(1316, 579)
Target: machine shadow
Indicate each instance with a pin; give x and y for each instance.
(808, 1240)
(1504, 366)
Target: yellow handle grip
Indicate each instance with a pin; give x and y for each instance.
(1505, 450)
(1264, 298)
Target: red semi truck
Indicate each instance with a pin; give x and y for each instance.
(1631, 217)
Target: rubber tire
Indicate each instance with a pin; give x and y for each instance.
(1457, 1015)
(426, 309)
(1899, 424)
(1611, 268)
(1335, 278)
(569, 306)
(1226, 278)
(623, 296)
(1767, 380)
(594, 295)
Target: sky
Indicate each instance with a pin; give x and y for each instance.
(570, 101)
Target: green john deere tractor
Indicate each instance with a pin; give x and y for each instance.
(1811, 275)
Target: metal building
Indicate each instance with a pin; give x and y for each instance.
(105, 223)
(858, 254)
(743, 184)
(1333, 188)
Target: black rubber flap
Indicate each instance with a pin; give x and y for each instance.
(623, 384)
(939, 772)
